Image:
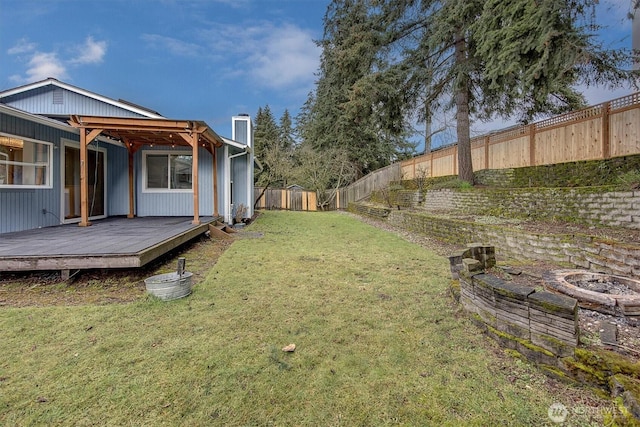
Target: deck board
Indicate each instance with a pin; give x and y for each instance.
(107, 243)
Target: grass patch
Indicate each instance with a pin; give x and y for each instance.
(379, 342)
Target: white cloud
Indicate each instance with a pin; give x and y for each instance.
(286, 56)
(172, 45)
(91, 52)
(44, 65)
(22, 46)
(272, 56)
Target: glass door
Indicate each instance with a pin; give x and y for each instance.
(96, 179)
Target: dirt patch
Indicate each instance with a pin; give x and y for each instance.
(105, 286)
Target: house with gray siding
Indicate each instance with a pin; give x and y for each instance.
(134, 164)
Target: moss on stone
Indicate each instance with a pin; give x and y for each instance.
(586, 373)
(525, 343)
(623, 417)
(557, 373)
(572, 174)
(454, 289)
(514, 353)
(554, 303)
(627, 383)
(608, 361)
(558, 347)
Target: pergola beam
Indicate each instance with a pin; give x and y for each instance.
(136, 132)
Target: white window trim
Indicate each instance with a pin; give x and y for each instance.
(76, 144)
(146, 189)
(49, 184)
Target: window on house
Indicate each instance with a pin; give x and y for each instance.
(24, 163)
(168, 171)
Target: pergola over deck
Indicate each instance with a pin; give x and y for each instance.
(134, 133)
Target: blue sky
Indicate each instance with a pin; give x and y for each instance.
(204, 59)
(193, 59)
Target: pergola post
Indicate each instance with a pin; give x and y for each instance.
(85, 140)
(131, 213)
(194, 169)
(216, 211)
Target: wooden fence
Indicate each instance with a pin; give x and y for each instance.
(363, 187)
(610, 129)
(286, 199)
(303, 200)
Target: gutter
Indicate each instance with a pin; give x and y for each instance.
(247, 151)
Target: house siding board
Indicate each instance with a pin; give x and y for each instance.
(241, 131)
(176, 204)
(41, 101)
(221, 174)
(117, 180)
(239, 175)
(21, 209)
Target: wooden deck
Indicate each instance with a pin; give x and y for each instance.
(107, 243)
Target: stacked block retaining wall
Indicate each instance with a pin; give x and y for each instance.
(578, 250)
(538, 324)
(588, 205)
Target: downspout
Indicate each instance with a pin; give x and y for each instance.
(227, 186)
(250, 188)
(228, 214)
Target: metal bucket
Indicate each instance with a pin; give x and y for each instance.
(169, 286)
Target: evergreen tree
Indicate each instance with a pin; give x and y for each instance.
(287, 132)
(265, 132)
(492, 57)
(273, 148)
(354, 107)
(267, 148)
(536, 52)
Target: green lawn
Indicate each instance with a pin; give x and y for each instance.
(379, 342)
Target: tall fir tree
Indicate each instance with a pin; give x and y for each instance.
(354, 107)
(266, 142)
(483, 58)
(286, 132)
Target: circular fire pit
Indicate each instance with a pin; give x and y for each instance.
(601, 292)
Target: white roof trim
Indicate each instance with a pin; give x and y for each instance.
(58, 83)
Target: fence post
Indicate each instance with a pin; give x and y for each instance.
(455, 159)
(606, 142)
(431, 164)
(532, 144)
(486, 151)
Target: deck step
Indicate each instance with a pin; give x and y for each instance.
(220, 230)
